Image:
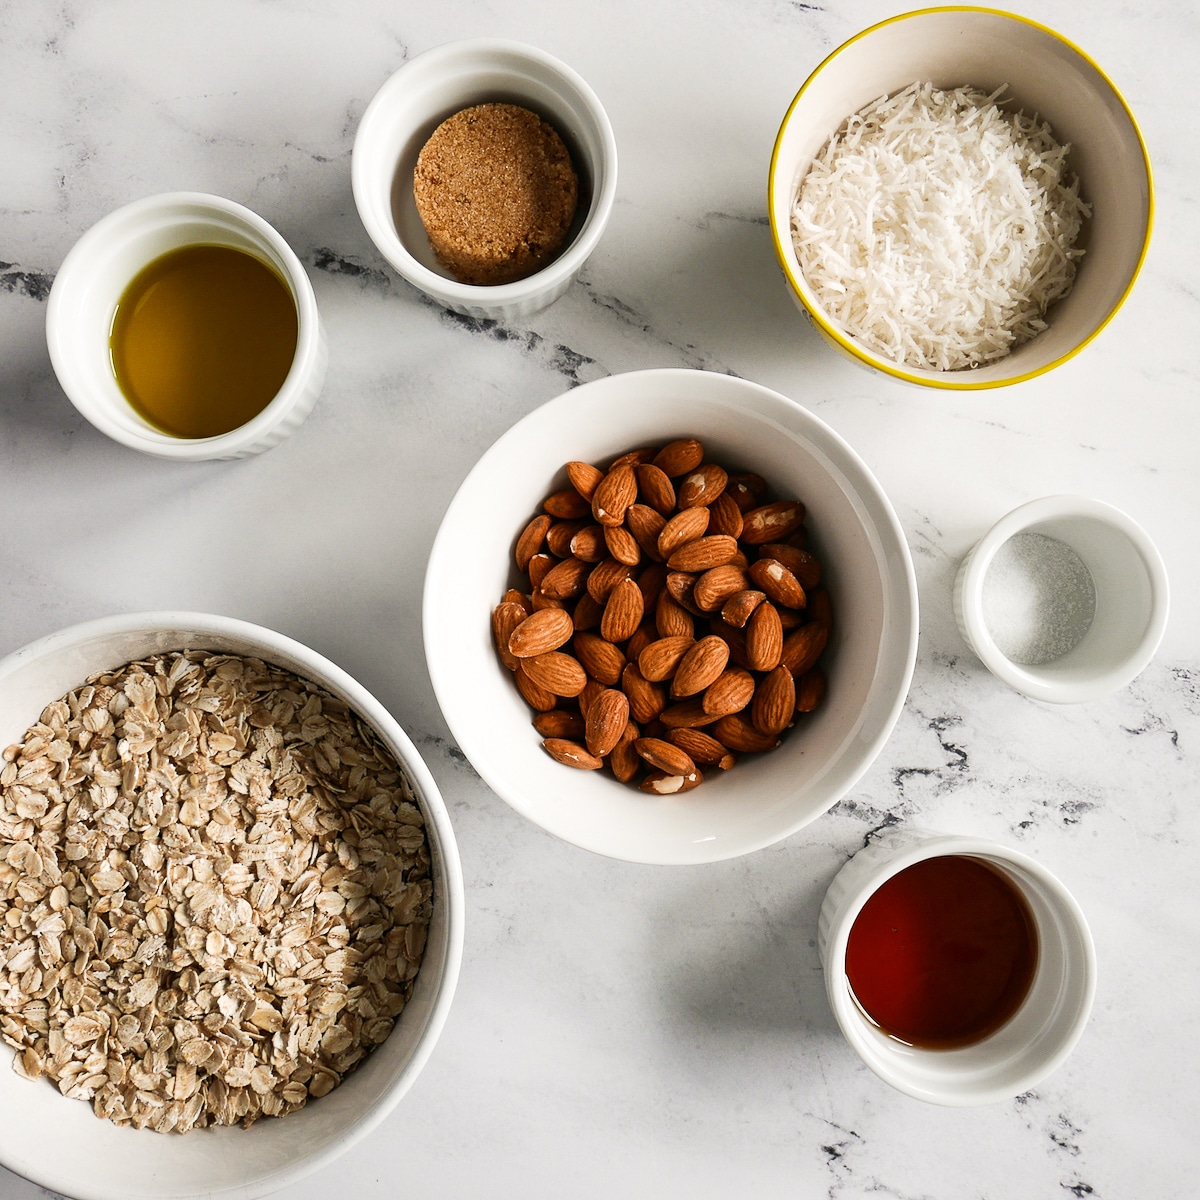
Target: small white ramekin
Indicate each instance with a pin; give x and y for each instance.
(1131, 599)
(96, 272)
(416, 100)
(1032, 1043)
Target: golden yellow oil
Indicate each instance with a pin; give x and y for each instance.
(203, 339)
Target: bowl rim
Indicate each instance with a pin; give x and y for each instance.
(902, 581)
(854, 348)
(1030, 681)
(391, 246)
(326, 674)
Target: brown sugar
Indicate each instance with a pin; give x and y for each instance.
(496, 192)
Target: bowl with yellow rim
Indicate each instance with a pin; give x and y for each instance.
(1043, 74)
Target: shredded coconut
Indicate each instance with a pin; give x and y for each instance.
(937, 228)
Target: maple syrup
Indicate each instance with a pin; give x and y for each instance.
(202, 339)
(943, 953)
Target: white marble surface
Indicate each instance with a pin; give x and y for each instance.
(624, 1030)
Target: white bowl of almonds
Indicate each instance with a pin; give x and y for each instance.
(232, 909)
(670, 617)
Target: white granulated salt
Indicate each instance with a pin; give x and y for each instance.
(1038, 599)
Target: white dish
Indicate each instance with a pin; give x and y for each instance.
(868, 569)
(59, 1143)
(416, 100)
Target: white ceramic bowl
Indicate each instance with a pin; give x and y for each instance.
(59, 1143)
(96, 271)
(1046, 74)
(416, 100)
(1034, 1041)
(1131, 599)
(867, 567)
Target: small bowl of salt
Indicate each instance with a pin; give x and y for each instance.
(1064, 599)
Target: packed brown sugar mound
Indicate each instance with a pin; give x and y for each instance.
(496, 192)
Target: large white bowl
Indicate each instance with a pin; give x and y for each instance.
(59, 1143)
(868, 570)
(1046, 74)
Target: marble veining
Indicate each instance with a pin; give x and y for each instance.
(621, 1029)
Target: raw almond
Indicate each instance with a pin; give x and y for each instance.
(560, 723)
(772, 522)
(803, 647)
(664, 756)
(646, 699)
(540, 633)
(778, 582)
(737, 609)
(567, 505)
(567, 579)
(671, 619)
(540, 566)
(512, 596)
(774, 701)
(739, 734)
(660, 659)
(588, 695)
(587, 612)
(531, 539)
(600, 659)
(730, 692)
(571, 754)
(506, 616)
(656, 488)
(557, 672)
(764, 638)
(540, 600)
(714, 587)
(589, 544)
(659, 783)
(810, 690)
(699, 667)
(791, 618)
(806, 567)
(651, 582)
(646, 633)
(560, 536)
(605, 576)
(622, 545)
(607, 717)
(735, 639)
(725, 516)
(624, 760)
(702, 486)
(746, 489)
(687, 714)
(622, 612)
(632, 458)
(682, 528)
(584, 478)
(645, 523)
(614, 494)
(536, 696)
(704, 553)
(702, 748)
(679, 457)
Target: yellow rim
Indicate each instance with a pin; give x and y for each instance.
(852, 347)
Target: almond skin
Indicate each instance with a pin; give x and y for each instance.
(622, 612)
(737, 610)
(571, 754)
(730, 692)
(682, 528)
(687, 714)
(702, 748)
(589, 544)
(607, 717)
(646, 699)
(622, 545)
(600, 659)
(514, 597)
(561, 534)
(624, 760)
(660, 659)
(764, 638)
(735, 639)
(506, 616)
(810, 690)
(560, 723)
(557, 672)
(604, 577)
(641, 639)
(651, 582)
(680, 456)
(806, 567)
(656, 488)
(584, 478)
(716, 586)
(725, 516)
(587, 612)
(671, 619)
(646, 524)
(746, 489)
(774, 701)
(539, 567)
(778, 582)
(664, 756)
(739, 734)
(704, 553)
(803, 647)
(540, 633)
(588, 695)
(536, 696)
(699, 667)
(614, 494)
(531, 539)
(567, 505)
(772, 522)
(632, 458)
(659, 783)
(567, 579)
(701, 486)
